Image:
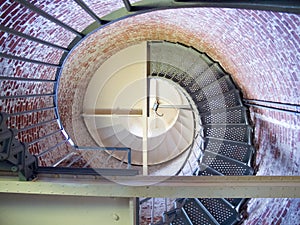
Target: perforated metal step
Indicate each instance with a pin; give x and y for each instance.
(177, 217)
(187, 60)
(205, 78)
(226, 166)
(239, 133)
(220, 210)
(224, 101)
(218, 87)
(205, 170)
(235, 202)
(239, 151)
(227, 135)
(235, 115)
(198, 214)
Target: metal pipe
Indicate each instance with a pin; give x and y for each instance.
(89, 161)
(62, 159)
(274, 108)
(25, 79)
(102, 148)
(77, 158)
(44, 137)
(31, 111)
(49, 17)
(89, 11)
(271, 102)
(36, 125)
(152, 210)
(51, 148)
(129, 158)
(128, 6)
(5, 55)
(278, 106)
(122, 160)
(26, 96)
(28, 37)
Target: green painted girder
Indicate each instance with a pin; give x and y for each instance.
(159, 187)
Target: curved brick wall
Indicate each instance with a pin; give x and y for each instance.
(260, 49)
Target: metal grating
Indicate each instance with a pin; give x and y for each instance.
(196, 214)
(224, 101)
(230, 116)
(240, 133)
(207, 171)
(226, 166)
(210, 75)
(200, 65)
(220, 210)
(187, 81)
(178, 77)
(218, 87)
(234, 201)
(194, 88)
(180, 219)
(238, 151)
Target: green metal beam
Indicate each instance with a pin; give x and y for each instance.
(156, 186)
(17, 209)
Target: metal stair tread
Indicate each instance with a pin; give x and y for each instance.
(224, 101)
(171, 53)
(229, 215)
(234, 115)
(235, 202)
(204, 78)
(197, 213)
(220, 86)
(240, 133)
(225, 165)
(177, 217)
(206, 170)
(240, 151)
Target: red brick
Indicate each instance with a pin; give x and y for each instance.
(258, 48)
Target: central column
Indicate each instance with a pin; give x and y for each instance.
(145, 130)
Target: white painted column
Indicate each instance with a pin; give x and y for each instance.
(145, 136)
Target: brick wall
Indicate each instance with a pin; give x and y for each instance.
(17, 17)
(277, 139)
(260, 49)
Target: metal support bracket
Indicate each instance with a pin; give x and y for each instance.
(14, 155)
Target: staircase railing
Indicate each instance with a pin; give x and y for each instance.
(81, 151)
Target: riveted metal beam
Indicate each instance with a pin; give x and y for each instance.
(156, 186)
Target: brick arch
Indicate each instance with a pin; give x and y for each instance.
(251, 45)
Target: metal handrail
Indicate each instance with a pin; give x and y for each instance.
(113, 149)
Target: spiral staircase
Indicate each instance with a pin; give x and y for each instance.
(216, 139)
(225, 132)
